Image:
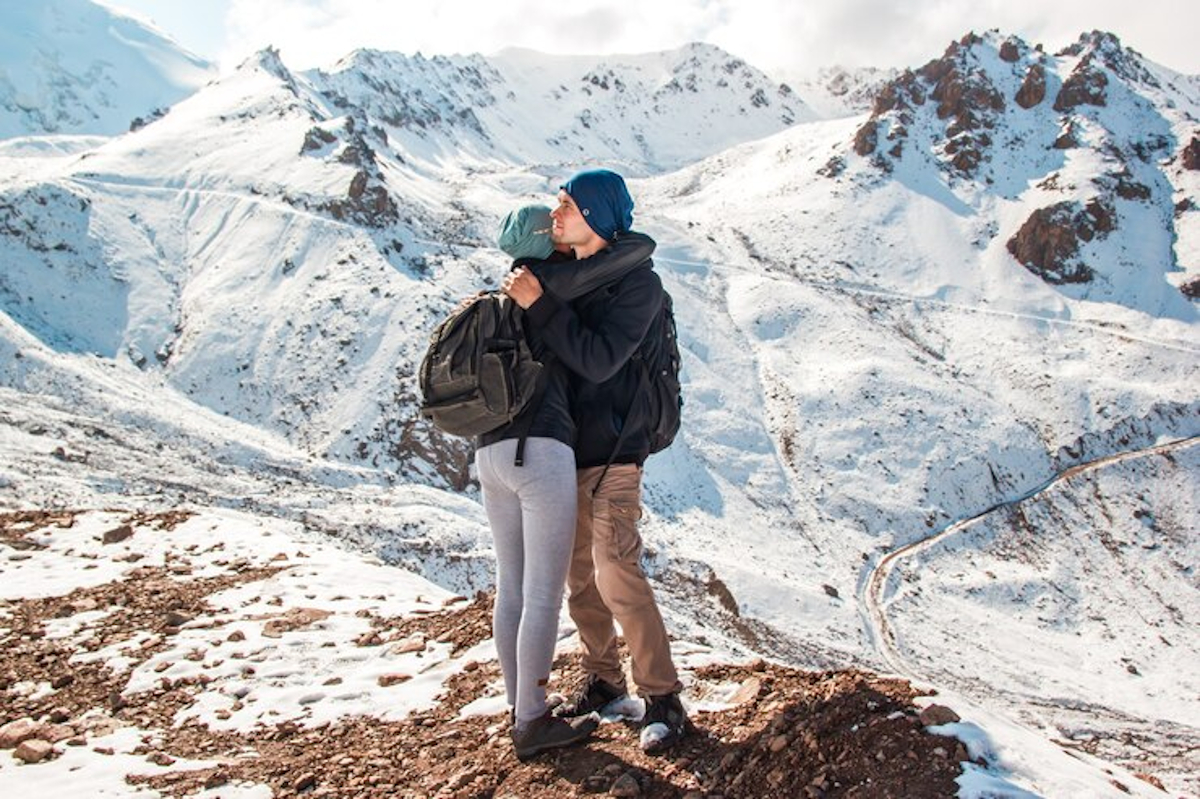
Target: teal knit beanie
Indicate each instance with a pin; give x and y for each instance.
(525, 233)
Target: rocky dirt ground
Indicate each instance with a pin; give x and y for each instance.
(782, 733)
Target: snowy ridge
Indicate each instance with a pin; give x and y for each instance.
(72, 66)
(644, 112)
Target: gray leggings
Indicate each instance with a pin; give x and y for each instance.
(532, 512)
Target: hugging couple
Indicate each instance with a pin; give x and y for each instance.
(565, 512)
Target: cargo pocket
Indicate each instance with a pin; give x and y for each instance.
(619, 521)
(495, 380)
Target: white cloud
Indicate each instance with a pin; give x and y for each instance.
(784, 37)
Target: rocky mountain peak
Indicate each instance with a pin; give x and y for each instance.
(998, 115)
(269, 61)
(964, 93)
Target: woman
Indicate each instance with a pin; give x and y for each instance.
(531, 507)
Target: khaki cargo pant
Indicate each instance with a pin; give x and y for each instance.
(606, 581)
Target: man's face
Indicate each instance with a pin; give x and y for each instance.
(569, 226)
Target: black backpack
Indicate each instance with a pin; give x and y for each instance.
(657, 361)
(660, 363)
(478, 373)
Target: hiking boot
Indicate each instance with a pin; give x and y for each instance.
(550, 732)
(594, 697)
(664, 724)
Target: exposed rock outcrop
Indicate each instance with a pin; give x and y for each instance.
(1085, 86)
(1033, 90)
(1048, 243)
(1191, 154)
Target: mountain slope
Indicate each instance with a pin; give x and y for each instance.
(73, 66)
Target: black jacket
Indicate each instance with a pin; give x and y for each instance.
(565, 278)
(595, 337)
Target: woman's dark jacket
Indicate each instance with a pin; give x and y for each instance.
(564, 279)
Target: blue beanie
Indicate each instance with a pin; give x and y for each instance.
(603, 200)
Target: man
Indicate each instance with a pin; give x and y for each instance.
(595, 337)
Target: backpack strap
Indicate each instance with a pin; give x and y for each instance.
(634, 416)
(535, 402)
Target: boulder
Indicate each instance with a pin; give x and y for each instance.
(15, 732)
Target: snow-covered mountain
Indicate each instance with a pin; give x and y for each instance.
(76, 67)
(1081, 144)
(866, 359)
(836, 92)
(644, 113)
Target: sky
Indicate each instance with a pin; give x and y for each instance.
(789, 39)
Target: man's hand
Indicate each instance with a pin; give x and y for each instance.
(523, 286)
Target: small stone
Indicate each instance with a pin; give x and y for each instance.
(59, 714)
(103, 750)
(118, 534)
(306, 781)
(370, 638)
(414, 643)
(62, 681)
(33, 750)
(77, 741)
(176, 619)
(333, 681)
(388, 680)
(830, 590)
(778, 743)
(596, 783)
(57, 732)
(236, 635)
(625, 785)
(936, 715)
(216, 780)
(161, 759)
(163, 666)
(749, 691)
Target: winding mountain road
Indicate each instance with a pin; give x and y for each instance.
(875, 586)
